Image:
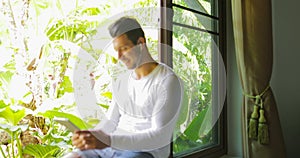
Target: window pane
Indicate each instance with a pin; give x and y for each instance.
(193, 53)
(204, 6)
(195, 20)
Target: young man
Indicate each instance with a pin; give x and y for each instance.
(146, 103)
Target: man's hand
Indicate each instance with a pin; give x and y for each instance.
(91, 139)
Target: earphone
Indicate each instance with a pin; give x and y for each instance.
(141, 47)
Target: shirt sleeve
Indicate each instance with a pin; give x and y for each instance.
(163, 119)
(110, 122)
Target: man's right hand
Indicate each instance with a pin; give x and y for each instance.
(85, 140)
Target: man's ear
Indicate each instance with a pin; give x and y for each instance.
(141, 40)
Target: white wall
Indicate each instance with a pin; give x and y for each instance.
(286, 71)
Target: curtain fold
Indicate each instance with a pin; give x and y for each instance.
(252, 25)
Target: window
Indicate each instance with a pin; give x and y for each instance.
(196, 36)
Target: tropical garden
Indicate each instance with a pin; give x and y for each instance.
(44, 47)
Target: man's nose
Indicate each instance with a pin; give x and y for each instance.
(120, 54)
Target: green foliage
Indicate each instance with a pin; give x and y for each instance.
(76, 120)
(10, 66)
(146, 3)
(107, 95)
(65, 86)
(195, 126)
(193, 65)
(78, 26)
(75, 27)
(90, 11)
(40, 6)
(12, 116)
(41, 151)
(2, 104)
(183, 144)
(5, 78)
(13, 128)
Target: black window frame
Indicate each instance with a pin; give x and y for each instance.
(165, 56)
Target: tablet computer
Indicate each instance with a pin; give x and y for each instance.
(67, 123)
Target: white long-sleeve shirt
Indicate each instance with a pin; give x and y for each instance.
(144, 112)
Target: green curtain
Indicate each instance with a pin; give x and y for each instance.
(261, 129)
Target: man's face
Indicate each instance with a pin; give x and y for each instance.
(127, 51)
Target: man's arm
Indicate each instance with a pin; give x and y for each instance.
(110, 122)
(163, 120)
(97, 138)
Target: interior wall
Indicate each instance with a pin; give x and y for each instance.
(234, 92)
(286, 70)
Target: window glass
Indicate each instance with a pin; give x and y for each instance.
(204, 6)
(197, 60)
(195, 20)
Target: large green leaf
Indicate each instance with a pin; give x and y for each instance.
(107, 95)
(10, 128)
(10, 66)
(184, 110)
(192, 132)
(74, 119)
(5, 78)
(41, 151)
(66, 86)
(104, 105)
(90, 11)
(12, 116)
(2, 104)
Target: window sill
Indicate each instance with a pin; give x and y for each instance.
(229, 156)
